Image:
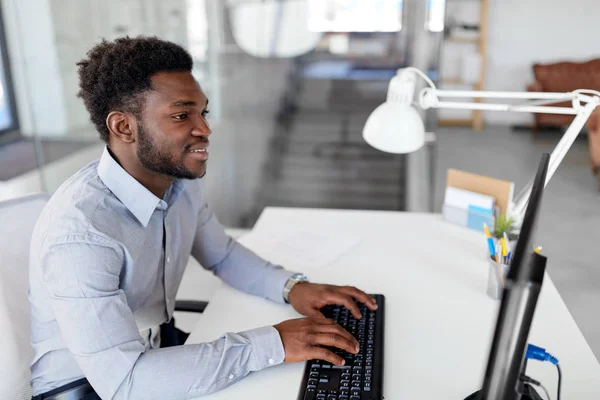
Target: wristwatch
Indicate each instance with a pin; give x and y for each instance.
(290, 283)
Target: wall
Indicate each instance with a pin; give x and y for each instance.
(522, 32)
(46, 38)
(81, 24)
(34, 66)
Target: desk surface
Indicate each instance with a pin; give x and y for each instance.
(439, 320)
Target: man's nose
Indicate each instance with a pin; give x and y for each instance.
(201, 128)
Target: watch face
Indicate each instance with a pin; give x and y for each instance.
(300, 277)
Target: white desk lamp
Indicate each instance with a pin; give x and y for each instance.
(396, 127)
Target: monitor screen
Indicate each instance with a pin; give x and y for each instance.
(523, 285)
(355, 15)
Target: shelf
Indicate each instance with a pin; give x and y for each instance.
(455, 122)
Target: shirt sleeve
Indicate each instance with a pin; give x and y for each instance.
(234, 263)
(81, 275)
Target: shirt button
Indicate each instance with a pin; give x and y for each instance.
(231, 376)
(168, 259)
(271, 361)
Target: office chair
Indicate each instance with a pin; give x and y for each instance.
(17, 220)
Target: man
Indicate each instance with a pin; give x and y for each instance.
(110, 248)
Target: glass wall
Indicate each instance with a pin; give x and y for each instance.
(287, 104)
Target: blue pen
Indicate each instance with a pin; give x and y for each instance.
(492, 248)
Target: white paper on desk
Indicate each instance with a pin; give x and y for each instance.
(465, 199)
(301, 248)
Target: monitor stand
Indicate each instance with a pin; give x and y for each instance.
(529, 393)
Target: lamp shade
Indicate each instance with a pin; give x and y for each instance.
(395, 128)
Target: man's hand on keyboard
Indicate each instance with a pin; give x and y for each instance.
(304, 339)
(308, 298)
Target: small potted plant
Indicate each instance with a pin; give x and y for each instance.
(508, 226)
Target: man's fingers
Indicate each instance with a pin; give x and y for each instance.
(338, 330)
(360, 296)
(335, 340)
(316, 314)
(320, 353)
(346, 301)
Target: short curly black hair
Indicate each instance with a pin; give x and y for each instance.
(115, 74)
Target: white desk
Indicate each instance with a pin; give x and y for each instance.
(439, 320)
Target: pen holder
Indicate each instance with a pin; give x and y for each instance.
(497, 273)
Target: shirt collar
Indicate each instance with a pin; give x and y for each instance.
(135, 196)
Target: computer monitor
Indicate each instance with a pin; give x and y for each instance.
(355, 15)
(519, 299)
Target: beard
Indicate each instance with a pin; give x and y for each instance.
(151, 157)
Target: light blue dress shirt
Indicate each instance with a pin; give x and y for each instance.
(107, 258)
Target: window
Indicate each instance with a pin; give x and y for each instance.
(355, 15)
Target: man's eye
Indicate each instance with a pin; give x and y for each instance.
(180, 117)
(205, 113)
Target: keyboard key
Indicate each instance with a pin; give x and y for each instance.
(355, 384)
(314, 375)
(341, 367)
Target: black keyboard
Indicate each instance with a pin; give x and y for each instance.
(361, 378)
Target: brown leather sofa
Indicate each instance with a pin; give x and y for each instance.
(566, 77)
(563, 77)
(593, 127)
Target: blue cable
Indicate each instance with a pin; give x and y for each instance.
(537, 353)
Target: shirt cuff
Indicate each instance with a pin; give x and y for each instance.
(266, 346)
(276, 283)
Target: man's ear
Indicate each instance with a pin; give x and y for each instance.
(122, 126)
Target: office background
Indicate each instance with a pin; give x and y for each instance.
(288, 133)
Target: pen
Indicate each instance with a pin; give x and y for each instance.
(490, 242)
(504, 249)
(507, 247)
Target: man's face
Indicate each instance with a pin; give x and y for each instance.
(173, 132)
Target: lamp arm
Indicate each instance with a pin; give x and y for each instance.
(517, 210)
(430, 98)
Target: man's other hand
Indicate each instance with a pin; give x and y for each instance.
(304, 339)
